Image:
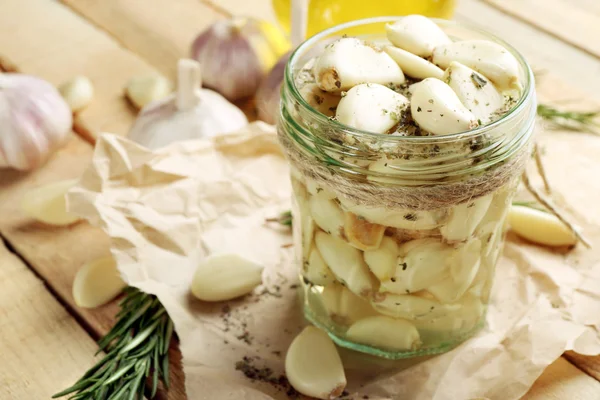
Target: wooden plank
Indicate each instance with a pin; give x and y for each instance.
(47, 39)
(575, 22)
(589, 364)
(561, 381)
(161, 31)
(43, 348)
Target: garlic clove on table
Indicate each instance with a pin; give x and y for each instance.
(48, 203)
(143, 90)
(540, 227)
(416, 34)
(189, 113)
(97, 282)
(313, 366)
(77, 92)
(35, 120)
(348, 62)
(488, 58)
(412, 65)
(436, 108)
(371, 107)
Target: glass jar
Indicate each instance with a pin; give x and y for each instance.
(397, 237)
(323, 14)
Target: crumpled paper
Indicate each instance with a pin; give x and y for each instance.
(164, 210)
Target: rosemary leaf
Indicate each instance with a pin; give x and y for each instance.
(578, 121)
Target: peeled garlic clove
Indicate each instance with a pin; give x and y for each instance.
(143, 90)
(361, 233)
(474, 90)
(346, 263)
(462, 319)
(343, 306)
(48, 203)
(412, 307)
(348, 62)
(414, 66)
(464, 218)
(317, 271)
(308, 231)
(416, 34)
(396, 218)
(324, 102)
(424, 263)
(488, 58)
(382, 261)
(436, 108)
(540, 227)
(77, 92)
(371, 107)
(225, 277)
(326, 214)
(316, 190)
(97, 282)
(313, 366)
(385, 332)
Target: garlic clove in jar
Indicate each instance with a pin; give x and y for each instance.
(343, 306)
(464, 218)
(313, 366)
(540, 227)
(77, 92)
(412, 307)
(237, 53)
(436, 108)
(318, 190)
(385, 332)
(474, 90)
(488, 58)
(412, 65)
(224, 277)
(382, 261)
(36, 121)
(190, 113)
(416, 34)
(48, 203)
(371, 107)
(346, 263)
(348, 62)
(326, 214)
(143, 90)
(324, 102)
(361, 233)
(97, 282)
(316, 270)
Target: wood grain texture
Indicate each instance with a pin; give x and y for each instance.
(588, 364)
(43, 348)
(575, 22)
(160, 31)
(46, 39)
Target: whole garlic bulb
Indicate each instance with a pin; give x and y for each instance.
(35, 121)
(269, 91)
(236, 54)
(190, 113)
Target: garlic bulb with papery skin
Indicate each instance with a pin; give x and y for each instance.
(236, 55)
(269, 91)
(35, 121)
(190, 113)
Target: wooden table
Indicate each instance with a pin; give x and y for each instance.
(46, 342)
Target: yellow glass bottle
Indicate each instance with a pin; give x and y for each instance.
(323, 14)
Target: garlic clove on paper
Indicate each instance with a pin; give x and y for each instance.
(224, 277)
(412, 65)
(77, 92)
(416, 34)
(385, 332)
(348, 62)
(436, 108)
(236, 54)
(371, 107)
(474, 90)
(540, 227)
(97, 282)
(313, 366)
(48, 203)
(190, 113)
(488, 58)
(35, 121)
(143, 90)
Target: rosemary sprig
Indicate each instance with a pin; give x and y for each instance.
(136, 347)
(571, 120)
(285, 218)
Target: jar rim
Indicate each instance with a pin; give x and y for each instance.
(528, 89)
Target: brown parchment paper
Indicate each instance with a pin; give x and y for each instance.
(165, 210)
